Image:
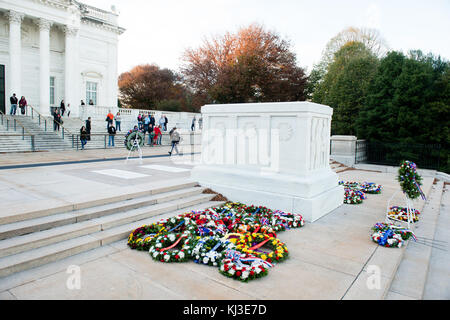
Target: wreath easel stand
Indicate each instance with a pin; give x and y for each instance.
(410, 182)
(135, 147)
(409, 211)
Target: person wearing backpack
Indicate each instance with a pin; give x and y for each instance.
(112, 133)
(175, 138)
(109, 119)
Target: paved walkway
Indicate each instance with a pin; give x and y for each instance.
(329, 259)
(26, 158)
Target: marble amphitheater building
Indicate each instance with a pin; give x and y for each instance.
(58, 49)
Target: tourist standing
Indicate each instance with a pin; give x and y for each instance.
(152, 120)
(162, 121)
(139, 119)
(175, 139)
(193, 124)
(200, 123)
(62, 107)
(91, 103)
(13, 101)
(22, 105)
(56, 120)
(88, 129)
(150, 135)
(112, 133)
(109, 119)
(82, 103)
(68, 110)
(83, 137)
(146, 123)
(158, 134)
(165, 123)
(118, 119)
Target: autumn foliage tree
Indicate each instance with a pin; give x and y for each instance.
(253, 65)
(149, 87)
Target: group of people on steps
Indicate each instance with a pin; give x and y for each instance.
(148, 126)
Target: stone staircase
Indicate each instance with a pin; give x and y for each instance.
(337, 167)
(412, 279)
(9, 143)
(44, 139)
(33, 239)
(47, 139)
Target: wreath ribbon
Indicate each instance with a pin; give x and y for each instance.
(236, 257)
(259, 245)
(176, 227)
(172, 246)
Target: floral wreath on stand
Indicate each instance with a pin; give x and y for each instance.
(131, 135)
(250, 243)
(410, 180)
(161, 247)
(401, 213)
(243, 267)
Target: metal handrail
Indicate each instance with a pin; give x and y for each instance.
(24, 131)
(16, 121)
(33, 111)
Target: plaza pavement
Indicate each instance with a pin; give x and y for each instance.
(329, 259)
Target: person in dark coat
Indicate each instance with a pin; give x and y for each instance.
(88, 129)
(13, 101)
(22, 104)
(112, 133)
(83, 137)
(56, 120)
(62, 107)
(152, 120)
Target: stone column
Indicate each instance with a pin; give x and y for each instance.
(70, 69)
(15, 53)
(44, 71)
(270, 154)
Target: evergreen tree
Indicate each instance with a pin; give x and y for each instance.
(408, 102)
(345, 85)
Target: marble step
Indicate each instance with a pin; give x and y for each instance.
(35, 257)
(38, 224)
(77, 203)
(412, 270)
(41, 238)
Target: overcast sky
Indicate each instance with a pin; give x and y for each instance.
(158, 31)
